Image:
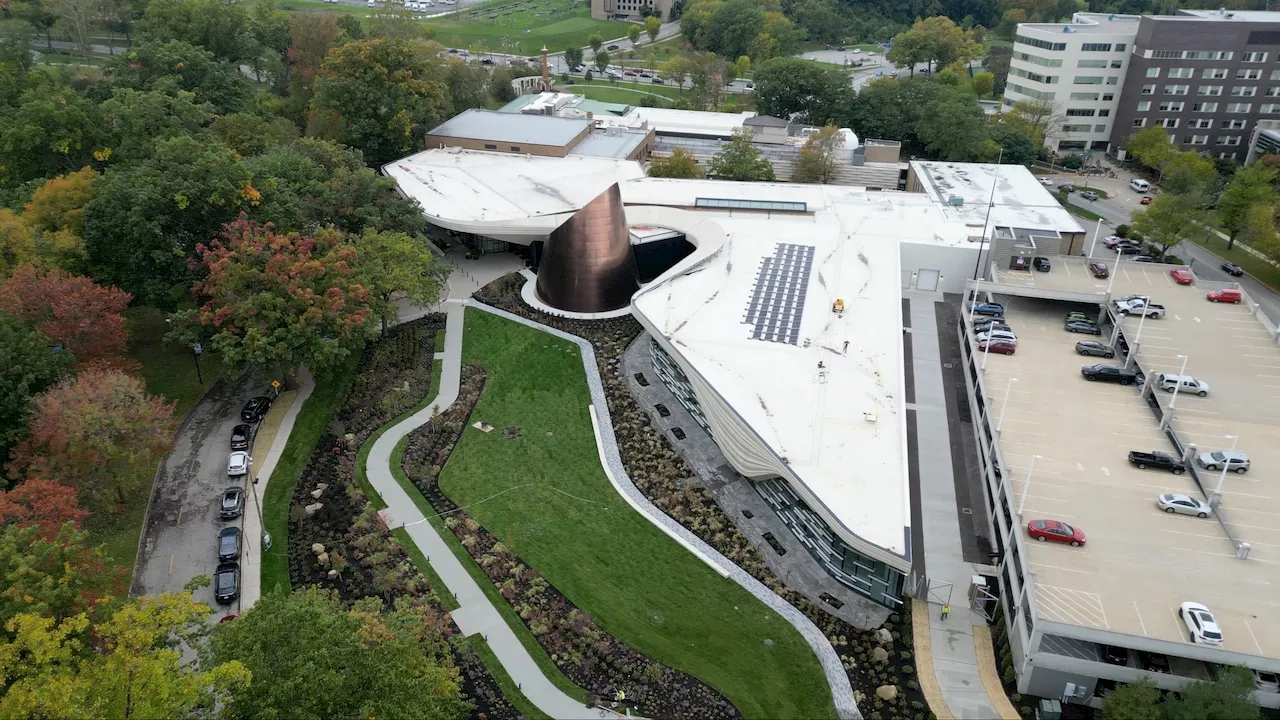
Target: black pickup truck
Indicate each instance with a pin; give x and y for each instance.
(1156, 459)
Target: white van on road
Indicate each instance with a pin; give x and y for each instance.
(1140, 185)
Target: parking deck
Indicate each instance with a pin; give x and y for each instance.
(1140, 564)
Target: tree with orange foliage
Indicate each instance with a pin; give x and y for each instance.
(43, 503)
(98, 431)
(71, 310)
(54, 577)
(281, 299)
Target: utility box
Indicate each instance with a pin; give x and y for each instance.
(1049, 710)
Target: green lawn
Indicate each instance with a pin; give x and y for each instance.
(631, 91)
(1264, 272)
(307, 429)
(315, 5)
(570, 525)
(1086, 214)
(168, 371)
(523, 32)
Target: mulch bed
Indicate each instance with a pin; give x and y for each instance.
(670, 484)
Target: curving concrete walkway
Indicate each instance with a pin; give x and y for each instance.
(841, 689)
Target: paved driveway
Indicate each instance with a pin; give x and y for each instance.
(182, 526)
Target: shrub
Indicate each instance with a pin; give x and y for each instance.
(1122, 230)
(1009, 677)
(1072, 162)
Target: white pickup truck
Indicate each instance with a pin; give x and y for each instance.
(1138, 305)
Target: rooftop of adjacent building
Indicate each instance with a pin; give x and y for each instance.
(1222, 15)
(503, 127)
(991, 195)
(1086, 23)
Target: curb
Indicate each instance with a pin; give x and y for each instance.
(923, 645)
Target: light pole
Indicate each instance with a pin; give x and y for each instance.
(1096, 231)
(1223, 477)
(1174, 400)
(986, 222)
(1027, 483)
(986, 348)
(977, 287)
(1005, 405)
(1112, 282)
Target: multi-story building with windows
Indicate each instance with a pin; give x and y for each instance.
(1205, 76)
(631, 9)
(1078, 66)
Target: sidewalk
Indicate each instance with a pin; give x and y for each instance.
(272, 436)
(954, 655)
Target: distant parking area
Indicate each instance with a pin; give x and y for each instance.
(1139, 563)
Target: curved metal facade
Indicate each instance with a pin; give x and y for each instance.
(588, 265)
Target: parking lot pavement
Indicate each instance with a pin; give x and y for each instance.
(1139, 563)
(182, 525)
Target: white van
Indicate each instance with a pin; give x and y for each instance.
(1139, 185)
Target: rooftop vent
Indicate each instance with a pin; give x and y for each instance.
(955, 201)
(1066, 28)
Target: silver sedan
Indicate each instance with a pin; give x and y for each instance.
(1185, 504)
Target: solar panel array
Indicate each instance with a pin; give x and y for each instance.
(777, 298)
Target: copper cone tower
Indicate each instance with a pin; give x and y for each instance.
(588, 265)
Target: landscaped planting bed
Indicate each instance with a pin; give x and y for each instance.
(664, 477)
(338, 541)
(586, 654)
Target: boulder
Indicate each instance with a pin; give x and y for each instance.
(317, 548)
(322, 486)
(880, 655)
(888, 693)
(317, 493)
(333, 573)
(323, 558)
(313, 508)
(883, 636)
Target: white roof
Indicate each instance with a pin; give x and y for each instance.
(1090, 23)
(841, 428)
(692, 123)
(1019, 200)
(475, 186)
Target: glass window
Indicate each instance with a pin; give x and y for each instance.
(1084, 96)
(1091, 63)
(1148, 89)
(1036, 42)
(1113, 80)
(1269, 108)
(1228, 140)
(1139, 122)
(1168, 122)
(1144, 106)
(734, 204)
(1232, 124)
(1250, 74)
(1209, 90)
(1214, 73)
(1120, 47)
(1088, 80)
(1153, 72)
(1176, 89)
(1205, 107)
(1182, 73)
(1117, 64)
(1273, 91)
(1099, 128)
(1108, 97)
(1080, 112)
(1238, 107)
(1244, 91)
(1169, 106)
(1104, 113)
(1253, 57)
(1096, 47)
(1037, 60)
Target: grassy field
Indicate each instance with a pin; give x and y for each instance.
(569, 524)
(168, 371)
(307, 429)
(523, 31)
(620, 94)
(1262, 271)
(314, 5)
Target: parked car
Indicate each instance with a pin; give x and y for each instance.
(1153, 662)
(1115, 655)
(232, 503)
(1055, 531)
(1111, 241)
(1183, 504)
(612, 47)
(1142, 258)
(1068, 187)
(1184, 384)
(1146, 200)
(988, 327)
(1088, 195)
(1228, 296)
(1156, 459)
(238, 463)
(1040, 263)
(1129, 249)
(255, 409)
(1233, 460)
(656, 80)
(998, 346)
(1077, 315)
(1099, 270)
(1201, 623)
(229, 544)
(982, 323)
(993, 334)
(226, 583)
(988, 309)
(1046, 182)
(1094, 348)
(240, 437)
(1109, 373)
(1232, 269)
(1182, 276)
(1082, 326)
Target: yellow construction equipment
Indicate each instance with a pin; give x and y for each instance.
(838, 306)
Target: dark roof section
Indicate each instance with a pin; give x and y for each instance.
(765, 121)
(514, 128)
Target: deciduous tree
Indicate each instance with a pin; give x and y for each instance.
(55, 578)
(1139, 700)
(954, 129)
(70, 310)
(741, 160)
(595, 41)
(129, 666)
(651, 27)
(601, 60)
(819, 157)
(1152, 147)
(29, 365)
(1188, 172)
(392, 264)
(1225, 698)
(43, 503)
(1259, 230)
(680, 164)
(1249, 188)
(381, 96)
(59, 203)
(312, 35)
(982, 84)
(634, 33)
(177, 65)
(99, 432)
(1168, 219)
(1037, 119)
(573, 56)
(221, 28)
(791, 86)
(281, 298)
(358, 662)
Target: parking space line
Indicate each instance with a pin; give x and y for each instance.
(1139, 614)
(1058, 567)
(1177, 623)
(1255, 637)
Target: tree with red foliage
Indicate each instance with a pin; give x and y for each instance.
(43, 503)
(282, 299)
(98, 431)
(54, 577)
(71, 310)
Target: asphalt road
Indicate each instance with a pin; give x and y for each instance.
(179, 541)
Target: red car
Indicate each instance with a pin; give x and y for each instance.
(1146, 200)
(1099, 269)
(999, 346)
(1181, 276)
(1231, 296)
(1055, 531)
